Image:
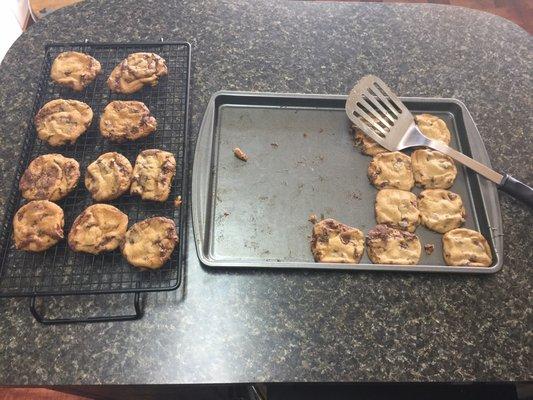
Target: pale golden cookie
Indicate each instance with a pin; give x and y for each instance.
(137, 70)
(397, 208)
(391, 170)
(49, 177)
(61, 122)
(334, 242)
(152, 175)
(465, 247)
(38, 225)
(386, 245)
(432, 169)
(126, 120)
(98, 228)
(149, 243)
(433, 127)
(367, 145)
(441, 210)
(75, 70)
(109, 176)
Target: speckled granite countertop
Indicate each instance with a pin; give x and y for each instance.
(299, 326)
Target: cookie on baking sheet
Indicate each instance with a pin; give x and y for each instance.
(432, 169)
(433, 127)
(126, 120)
(152, 175)
(61, 122)
(74, 70)
(334, 242)
(99, 228)
(397, 208)
(149, 243)
(391, 170)
(137, 70)
(441, 210)
(386, 245)
(367, 145)
(465, 247)
(49, 177)
(38, 225)
(109, 176)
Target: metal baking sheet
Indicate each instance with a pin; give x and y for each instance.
(302, 161)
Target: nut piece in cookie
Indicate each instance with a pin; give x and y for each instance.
(49, 177)
(432, 169)
(61, 122)
(149, 243)
(108, 177)
(441, 210)
(367, 145)
(467, 248)
(391, 170)
(334, 242)
(386, 245)
(433, 127)
(38, 225)
(397, 208)
(152, 175)
(100, 227)
(137, 70)
(126, 120)
(74, 70)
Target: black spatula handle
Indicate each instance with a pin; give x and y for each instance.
(517, 189)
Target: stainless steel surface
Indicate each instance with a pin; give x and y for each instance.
(302, 161)
(380, 114)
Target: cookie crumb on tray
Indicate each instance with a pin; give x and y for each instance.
(429, 248)
(241, 155)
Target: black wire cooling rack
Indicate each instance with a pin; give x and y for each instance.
(59, 270)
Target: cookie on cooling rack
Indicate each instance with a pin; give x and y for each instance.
(334, 242)
(109, 176)
(397, 208)
(441, 210)
(433, 127)
(465, 247)
(391, 170)
(152, 175)
(386, 245)
(432, 169)
(137, 70)
(126, 120)
(74, 70)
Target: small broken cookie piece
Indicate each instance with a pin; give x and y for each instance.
(429, 248)
(136, 71)
(432, 169)
(397, 208)
(441, 210)
(465, 247)
(99, 228)
(177, 202)
(150, 243)
(38, 225)
(152, 175)
(108, 177)
(126, 120)
(386, 245)
(74, 70)
(367, 145)
(433, 127)
(241, 155)
(334, 242)
(49, 177)
(391, 170)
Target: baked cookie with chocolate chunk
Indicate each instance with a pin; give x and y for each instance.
(397, 208)
(367, 145)
(109, 177)
(49, 177)
(99, 228)
(152, 175)
(432, 169)
(465, 247)
(441, 210)
(433, 127)
(150, 243)
(61, 122)
(74, 70)
(137, 70)
(334, 242)
(38, 225)
(391, 170)
(386, 245)
(126, 120)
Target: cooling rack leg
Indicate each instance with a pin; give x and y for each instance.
(107, 318)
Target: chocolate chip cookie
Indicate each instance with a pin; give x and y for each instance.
(441, 210)
(334, 242)
(137, 70)
(432, 169)
(38, 225)
(49, 177)
(433, 127)
(61, 122)
(109, 176)
(152, 175)
(150, 243)
(465, 247)
(74, 70)
(397, 208)
(126, 120)
(391, 170)
(386, 245)
(367, 145)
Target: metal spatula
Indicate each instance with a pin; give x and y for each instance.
(378, 112)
